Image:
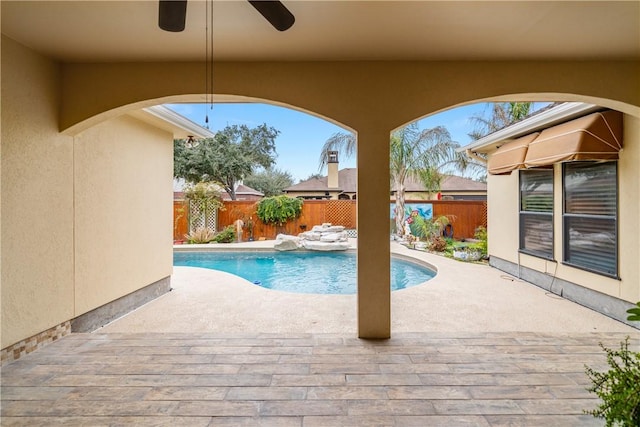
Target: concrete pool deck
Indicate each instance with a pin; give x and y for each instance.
(462, 297)
(471, 347)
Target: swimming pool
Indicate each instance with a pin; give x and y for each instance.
(301, 272)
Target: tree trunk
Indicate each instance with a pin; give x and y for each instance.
(231, 191)
(399, 210)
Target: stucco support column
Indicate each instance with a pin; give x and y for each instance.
(374, 267)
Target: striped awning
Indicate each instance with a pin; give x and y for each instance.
(510, 156)
(597, 136)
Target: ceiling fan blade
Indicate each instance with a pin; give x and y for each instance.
(275, 12)
(172, 15)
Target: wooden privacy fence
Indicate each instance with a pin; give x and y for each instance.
(180, 219)
(314, 212)
(467, 216)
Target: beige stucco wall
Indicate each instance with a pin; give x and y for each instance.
(37, 198)
(502, 216)
(629, 196)
(504, 229)
(392, 94)
(123, 210)
(85, 219)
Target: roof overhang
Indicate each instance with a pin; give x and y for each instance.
(167, 119)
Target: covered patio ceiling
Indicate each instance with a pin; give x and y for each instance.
(127, 31)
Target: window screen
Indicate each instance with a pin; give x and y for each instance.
(590, 216)
(536, 212)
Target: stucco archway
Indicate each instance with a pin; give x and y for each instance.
(369, 97)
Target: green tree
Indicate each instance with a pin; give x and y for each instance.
(313, 176)
(232, 154)
(501, 115)
(270, 181)
(426, 155)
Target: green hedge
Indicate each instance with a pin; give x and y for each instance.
(279, 209)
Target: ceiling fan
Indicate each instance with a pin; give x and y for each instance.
(172, 14)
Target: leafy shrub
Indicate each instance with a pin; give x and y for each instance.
(227, 235)
(476, 247)
(200, 235)
(634, 313)
(279, 209)
(438, 244)
(208, 192)
(482, 235)
(430, 228)
(618, 388)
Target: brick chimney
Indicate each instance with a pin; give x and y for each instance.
(332, 169)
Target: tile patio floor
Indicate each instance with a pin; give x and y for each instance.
(199, 379)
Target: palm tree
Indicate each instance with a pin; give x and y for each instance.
(345, 143)
(425, 155)
(502, 115)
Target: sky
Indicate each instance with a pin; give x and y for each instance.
(302, 135)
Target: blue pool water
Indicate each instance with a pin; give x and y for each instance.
(302, 272)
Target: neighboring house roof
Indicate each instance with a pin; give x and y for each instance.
(450, 184)
(246, 190)
(347, 184)
(454, 183)
(241, 191)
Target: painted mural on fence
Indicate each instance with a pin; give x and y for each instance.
(411, 210)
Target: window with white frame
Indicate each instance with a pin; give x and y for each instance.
(536, 212)
(590, 216)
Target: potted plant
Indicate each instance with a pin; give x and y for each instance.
(467, 253)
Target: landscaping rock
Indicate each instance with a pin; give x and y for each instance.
(325, 246)
(310, 235)
(334, 237)
(328, 228)
(285, 242)
(325, 237)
